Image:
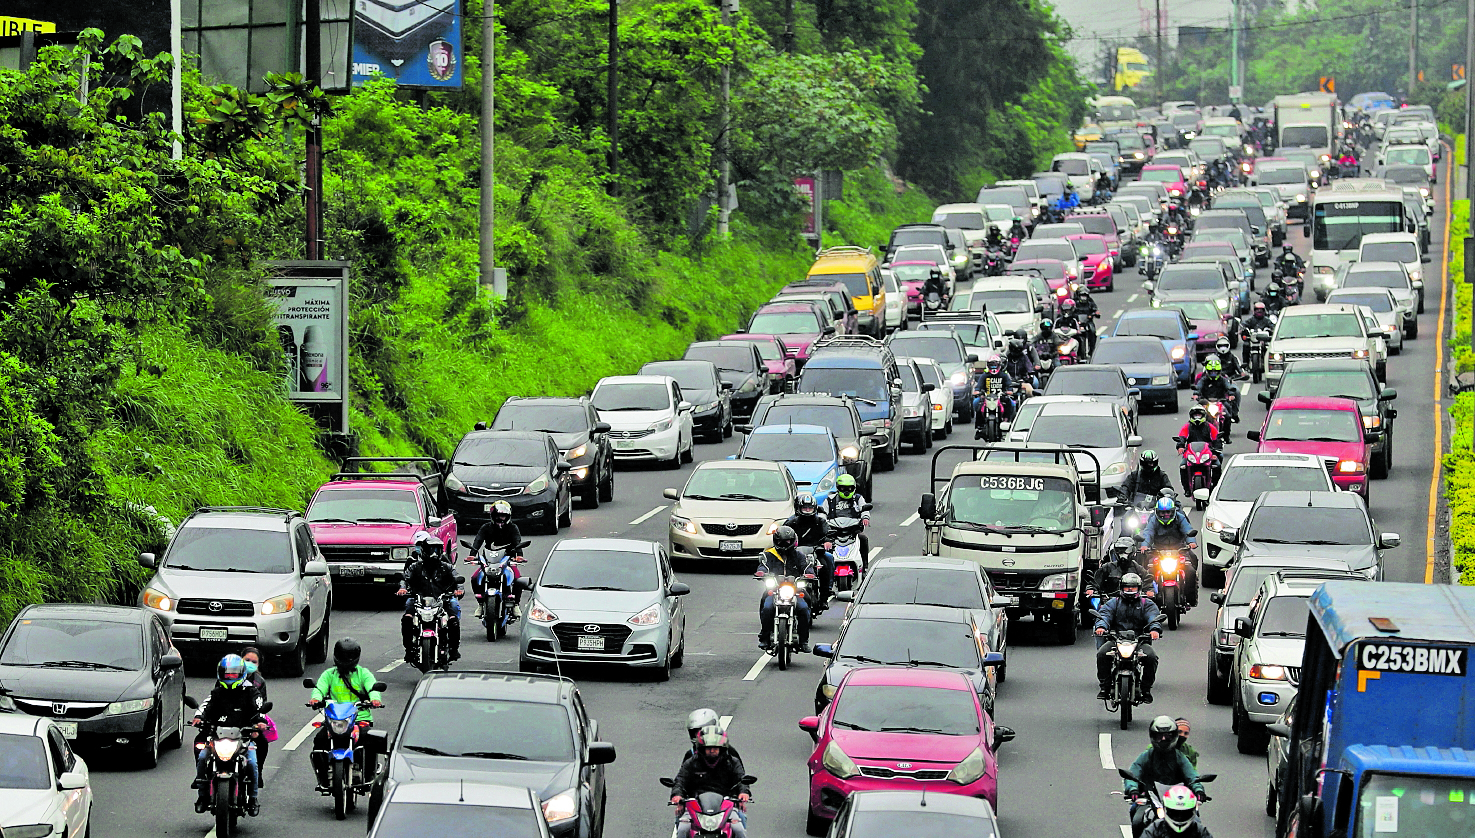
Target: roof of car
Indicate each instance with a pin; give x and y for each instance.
(972, 206)
(1313, 403)
(1378, 238)
(920, 801)
(1369, 267)
(927, 563)
(1335, 500)
(102, 613)
(611, 545)
(889, 676)
(509, 434)
(1074, 236)
(1148, 313)
(238, 519)
(782, 307)
(635, 379)
(462, 793)
(20, 724)
(1305, 310)
(513, 686)
(1093, 408)
(1275, 459)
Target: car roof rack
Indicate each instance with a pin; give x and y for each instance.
(843, 250)
(1296, 573)
(949, 316)
(847, 341)
(430, 477)
(287, 514)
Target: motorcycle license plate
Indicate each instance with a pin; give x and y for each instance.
(67, 729)
(730, 546)
(592, 643)
(427, 632)
(348, 571)
(214, 633)
(487, 508)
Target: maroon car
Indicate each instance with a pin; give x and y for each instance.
(798, 325)
(776, 359)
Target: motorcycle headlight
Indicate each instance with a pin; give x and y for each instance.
(770, 582)
(576, 453)
(118, 708)
(837, 763)
(970, 770)
(710, 823)
(454, 483)
(225, 749)
(157, 599)
(561, 806)
(1169, 564)
(649, 617)
(537, 486)
(540, 614)
(786, 593)
(1301, 197)
(1161, 380)
(339, 726)
(849, 453)
(277, 605)
(686, 525)
(1126, 648)
(1058, 582)
(1136, 155)
(1424, 191)
(1175, 192)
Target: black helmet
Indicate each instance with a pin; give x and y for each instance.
(1021, 334)
(346, 653)
(1148, 458)
(1016, 346)
(1047, 326)
(784, 538)
(1288, 250)
(804, 504)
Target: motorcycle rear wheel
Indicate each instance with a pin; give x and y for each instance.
(224, 821)
(341, 791)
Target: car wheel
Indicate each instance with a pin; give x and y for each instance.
(1412, 332)
(1421, 302)
(678, 660)
(590, 497)
(292, 664)
(550, 524)
(816, 825)
(607, 486)
(662, 673)
(675, 461)
(686, 457)
(524, 665)
(1218, 688)
(566, 518)
(148, 749)
(1382, 370)
(318, 651)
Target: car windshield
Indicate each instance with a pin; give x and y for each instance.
(1414, 805)
(1376, 279)
(1097, 382)
(1244, 483)
(1194, 309)
(230, 549)
(887, 823)
(600, 570)
(1071, 166)
(785, 323)
(1346, 384)
(918, 586)
(693, 375)
(1062, 251)
(1341, 225)
(931, 373)
(1284, 616)
(454, 819)
(1221, 222)
(901, 641)
(81, 643)
(742, 484)
(910, 383)
(1047, 268)
(1111, 351)
(23, 762)
(1305, 136)
(553, 418)
(1164, 328)
(1222, 130)
(1115, 113)
(933, 254)
(1085, 247)
(917, 235)
(837, 418)
(1301, 525)
(1281, 175)
(1184, 120)
(499, 451)
(636, 396)
(1130, 141)
(999, 212)
(488, 728)
(1103, 148)
(1246, 582)
(1380, 303)
(961, 220)
(1295, 424)
(735, 358)
(1000, 302)
(1077, 431)
(971, 334)
(358, 504)
(903, 709)
(1331, 325)
(1411, 155)
(1011, 195)
(1163, 175)
(1176, 278)
(1406, 252)
(1012, 501)
(1407, 175)
(943, 349)
(869, 384)
(789, 448)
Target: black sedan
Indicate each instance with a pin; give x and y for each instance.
(1348, 378)
(741, 365)
(710, 396)
(582, 439)
(523, 468)
(106, 675)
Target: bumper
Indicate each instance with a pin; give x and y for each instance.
(708, 421)
(101, 729)
(1099, 279)
(366, 573)
(661, 445)
(1216, 552)
(1162, 395)
(939, 415)
(916, 424)
(826, 791)
(643, 646)
(525, 508)
(867, 322)
(1352, 483)
(1184, 370)
(278, 633)
(1265, 701)
(583, 474)
(702, 545)
(743, 403)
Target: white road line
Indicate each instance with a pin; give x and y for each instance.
(393, 666)
(725, 721)
(1126, 830)
(757, 667)
(649, 515)
(1103, 745)
(1133, 298)
(876, 552)
(1101, 332)
(1244, 389)
(1118, 313)
(306, 731)
(912, 520)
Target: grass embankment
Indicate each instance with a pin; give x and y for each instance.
(1459, 463)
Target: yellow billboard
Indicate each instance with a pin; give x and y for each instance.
(17, 25)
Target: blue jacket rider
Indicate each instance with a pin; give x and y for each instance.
(1168, 527)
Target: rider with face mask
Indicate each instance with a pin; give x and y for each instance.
(846, 502)
(497, 532)
(1128, 611)
(713, 768)
(1016, 230)
(1123, 560)
(1290, 264)
(1259, 320)
(1162, 763)
(1198, 428)
(813, 529)
(232, 702)
(993, 379)
(430, 576)
(1019, 365)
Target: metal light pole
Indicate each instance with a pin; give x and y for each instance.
(1413, 45)
(1469, 152)
(313, 167)
(488, 227)
(724, 147)
(1161, 73)
(612, 96)
(1233, 46)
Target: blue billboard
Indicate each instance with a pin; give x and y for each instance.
(415, 42)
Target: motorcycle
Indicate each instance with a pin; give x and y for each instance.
(990, 424)
(1274, 297)
(711, 814)
(432, 621)
(350, 773)
(993, 262)
(1153, 799)
(227, 770)
(1152, 259)
(496, 577)
(1068, 347)
(1171, 579)
(1218, 414)
(849, 566)
(1013, 247)
(787, 591)
(934, 302)
(1256, 340)
(1126, 673)
(1200, 463)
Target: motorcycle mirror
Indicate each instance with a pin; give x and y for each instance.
(379, 686)
(308, 682)
(668, 782)
(524, 544)
(749, 780)
(1094, 613)
(1264, 397)
(1194, 531)
(1207, 778)
(191, 703)
(266, 706)
(1127, 775)
(460, 580)
(1137, 537)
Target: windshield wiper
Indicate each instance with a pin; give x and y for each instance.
(241, 570)
(556, 585)
(426, 749)
(383, 521)
(850, 725)
(933, 663)
(1274, 541)
(1030, 529)
(632, 407)
(702, 497)
(81, 664)
(911, 729)
(332, 521)
(1347, 396)
(1282, 634)
(864, 659)
(738, 496)
(494, 755)
(1326, 541)
(601, 588)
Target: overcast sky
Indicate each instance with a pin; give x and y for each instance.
(1094, 20)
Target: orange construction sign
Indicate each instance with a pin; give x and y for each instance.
(1457, 72)
(1328, 84)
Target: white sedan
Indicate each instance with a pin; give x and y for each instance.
(45, 790)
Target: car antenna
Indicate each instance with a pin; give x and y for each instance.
(923, 802)
(462, 798)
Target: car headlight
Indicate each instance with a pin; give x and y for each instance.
(539, 614)
(576, 453)
(773, 528)
(1424, 191)
(1301, 197)
(1178, 352)
(1359, 353)
(34, 830)
(1267, 672)
(837, 763)
(1349, 467)
(958, 379)
(1160, 380)
(849, 453)
(157, 599)
(561, 806)
(536, 486)
(400, 553)
(454, 483)
(649, 617)
(1213, 524)
(663, 425)
(1176, 193)
(1277, 357)
(1221, 302)
(686, 525)
(1136, 155)
(1058, 582)
(1115, 468)
(1374, 421)
(277, 605)
(827, 690)
(703, 408)
(827, 483)
(118, 708)
(970, 770)
(7, 704)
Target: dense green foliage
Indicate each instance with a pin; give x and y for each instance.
(1459, 462)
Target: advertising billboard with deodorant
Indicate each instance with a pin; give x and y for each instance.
(312, 324)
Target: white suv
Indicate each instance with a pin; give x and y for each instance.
(1397, 247)
(1244, 477)
(1323, 331)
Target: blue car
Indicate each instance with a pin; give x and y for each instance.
(808, 451)
(1168, 325)
(1145, 363)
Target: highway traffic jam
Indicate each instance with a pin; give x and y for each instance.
(1073, 508)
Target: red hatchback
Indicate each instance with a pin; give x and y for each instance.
(1328, 428)
(1096, 263)
(798, 325)
(894, 729)
(777, 361)
(1169, 176)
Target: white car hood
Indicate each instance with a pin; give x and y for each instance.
(632, 420)
(1347, 345)
(1280, 651)
(1232, 513)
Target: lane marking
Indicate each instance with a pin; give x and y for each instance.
(1439, 381)
(1244, 389)
(1118, 313)
(1103, 746)
(392, 666)
(725, 721)
(649, 515)
(1133, 298)
(912, 520)
(876, 552)
(306, 731)
(757, 667)
(1126, 830)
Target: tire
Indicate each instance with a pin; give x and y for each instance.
(727, 429)
(566, 518)
(886, 460)
(1382, 370)
(1381, 464)
(687, 456)
(781, 641)
(223, 820)
(607, 487)
(1170, 606)
(493, 618)
(427, 655)
(1217, 689)
(662, 673)
(294, 663)
(590, 497)
(919, 443)
(340, 789)
(1270, 797)
(947, 431)
(678, 660)
(675, 461)
(318, 651)
(148, 750)
(527, 666)
(1421, 304)
(1126, 711)
(1412, 332)
(550, 524)
(816, 825)
(1252, 738)
(1065, 628)
(1175, 405)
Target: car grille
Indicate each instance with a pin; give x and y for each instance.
(568, 635)
(628, 434)
(70, 709)
(354, 553)
(1331, 465)
(1087, 272)
(1294, 673)
(1304, 356)
(226, 607)
(486, 492)
(889, 773)
(730, 529)
(715, 553)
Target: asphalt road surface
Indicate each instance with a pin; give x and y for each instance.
(1060, 770)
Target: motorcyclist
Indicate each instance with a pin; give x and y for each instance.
(430, 577)
(934, 285)
(1259, 320)
(1180, 810)
(1127, 611)
(1198, 428)
(497, 532)
(813, 529)
(695, 721)
(1162, 763)
(1214, 384)
(714, 768)
(995, 236)
(847, 502)
(1168, 529)
(345, 680)
(1016, 230)
(1227, 362)
(782, 559)
(993, 379)
(1103, 188)
(1019, 365)
(1123, 560)
(1289, 263)
(1086, 312)
(233, 702)
(1149, 479)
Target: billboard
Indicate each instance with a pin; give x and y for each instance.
(239, 41)
(415, 42)
(311, 319)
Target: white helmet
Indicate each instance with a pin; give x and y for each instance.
(1179, 804)
(700, 718)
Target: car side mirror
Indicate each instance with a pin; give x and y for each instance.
(993, 659)
(601, 427)
(1254, 230)
(1278, 729)
(308, 683)
(1265, 397)
(809, 723)
(824, 650)
(460, 580)
(1216, 597)
(927, 509)
(1229, 535)
(1001, 601)
(1388, 394)
(844, 596)
(1306, 229)
(1389, 540)
(1242, 627)
(670, 494)
(1426, 259)
(728, 385)
(524, 583)
(1134, 392)
(684, 407)
(867, 431)
(432, 522)
(928, 387)
(148, 560)
(678, 589)
(601, 753)
(1201, 495)
(1134, 441)
(316, 567)
(71, 781)
(972, 358)
(563, 466)
(1003, 734)
(1192, 336)
(1192, 533)
(376, 741)
(171, 660)
(829, 330)
(743, 429)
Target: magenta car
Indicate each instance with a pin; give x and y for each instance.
(776, 360)
(891, 729)
(798, 325)
(1328, 428)
(911, 275)
(1170, 176)
(365, 525)
(1095, 256)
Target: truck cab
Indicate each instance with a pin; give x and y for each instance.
(1026, 515)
